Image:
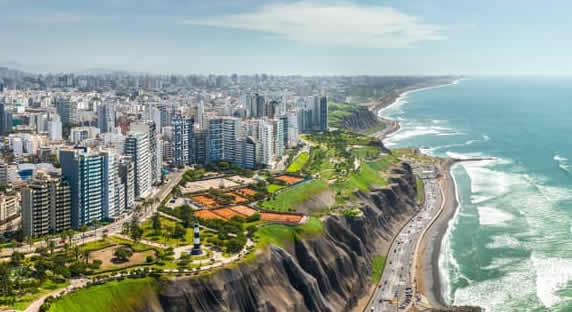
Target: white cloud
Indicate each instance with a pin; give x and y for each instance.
(342, 24)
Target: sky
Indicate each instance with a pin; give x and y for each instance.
(403, 37)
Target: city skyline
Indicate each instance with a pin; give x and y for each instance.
(286, 37)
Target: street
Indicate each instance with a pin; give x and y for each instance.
(396, 290)
(96, 234)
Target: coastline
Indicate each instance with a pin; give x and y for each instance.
(427, 271)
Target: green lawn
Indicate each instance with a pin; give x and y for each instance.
(22, 302)
(167, 226)
(137, 247)
(281, 235)
(420, 190)
(275, 234)
(313, 226)
(273, 188)
(120, 296)
(97, 245)
(377, 266)
(288, 199)
(298, 163)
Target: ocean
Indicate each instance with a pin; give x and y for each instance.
(509, 246)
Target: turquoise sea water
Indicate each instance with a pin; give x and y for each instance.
(509, 248)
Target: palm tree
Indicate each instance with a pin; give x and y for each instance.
(30, 241)
(96, 224)
(85, 255)
(51, 246)
(76, 253)
(47, 240)
(83, 228)
(69, 234)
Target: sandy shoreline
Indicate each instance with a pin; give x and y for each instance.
(427, 272)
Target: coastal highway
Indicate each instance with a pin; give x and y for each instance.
(396, 290)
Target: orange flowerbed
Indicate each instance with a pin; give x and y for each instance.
(205, 201)
(207, 214)
(226, 213)
(237, 199)
(289, 179)
(243, 210)
(278, 217)
(247, 192)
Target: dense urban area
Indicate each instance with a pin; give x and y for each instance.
(113, 176)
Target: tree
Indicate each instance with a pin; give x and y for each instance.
(51, 246)
(234, 245)
(76, 253)
(69, 234)
(6, 284)
(16, 258)
(123, 254)
(83, 228)
(186, 215)
(156, 223)
(253, 217)
(96, 224)
(135, 231)
(179, 232)
(85, 255)
(29, 241)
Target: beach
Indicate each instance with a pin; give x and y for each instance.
(427, 274)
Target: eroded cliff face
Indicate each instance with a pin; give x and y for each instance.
(329, 272)
(360, 120)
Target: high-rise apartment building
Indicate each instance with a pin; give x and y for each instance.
(313, 114)
(105, 118)
(64, 108)
(137, 146)
(155, 147)
(55, 128)
(182, 141)
(85, 171)
(5, 119)
(222, 134)
(127, 176)
(46, 206)
(9, 206)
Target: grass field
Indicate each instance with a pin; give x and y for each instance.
(298, 163)
(420, 190)
(370, 173)
(377, 266)
(281, 235)
(273, 188)
(313, 226)
(96, 245)
(295, 195)
(116, 296)
(22, 302)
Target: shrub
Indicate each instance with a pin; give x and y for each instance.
(122, 253)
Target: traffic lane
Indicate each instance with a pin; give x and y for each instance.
(406, 251)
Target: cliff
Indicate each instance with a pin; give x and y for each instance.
(359, 120)
(329, 272)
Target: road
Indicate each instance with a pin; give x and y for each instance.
(396, 290)
(160, 193)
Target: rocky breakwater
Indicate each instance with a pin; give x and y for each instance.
(327, 272)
